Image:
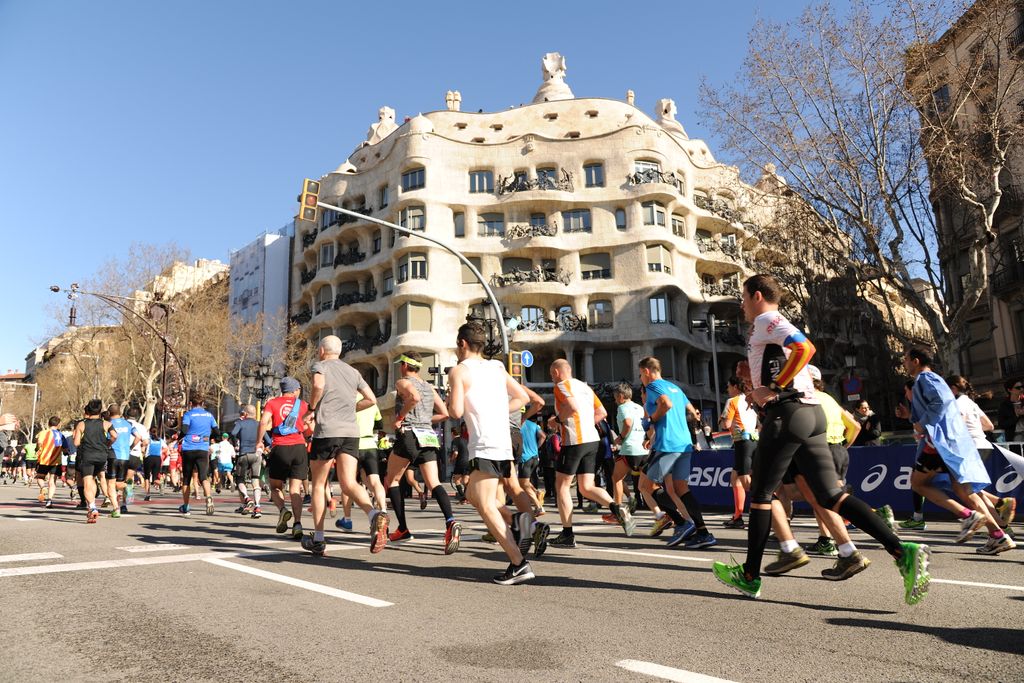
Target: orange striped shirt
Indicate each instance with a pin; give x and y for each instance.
(49, 446)
(580, 428)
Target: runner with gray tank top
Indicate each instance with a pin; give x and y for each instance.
(417, 409)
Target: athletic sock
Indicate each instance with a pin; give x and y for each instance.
(965, 513)
(739, 499)
(847, 549)
(859, 512)
(567, 531)
(693, 507)
(998, 533)
(318, 535)
(667, 506)
(758, 527)
(398, 505)
(443, 501)
(824, 539)
(788, 546)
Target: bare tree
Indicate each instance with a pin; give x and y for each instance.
(834, 103)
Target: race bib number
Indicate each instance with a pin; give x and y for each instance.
(196, 438)
(426, 438)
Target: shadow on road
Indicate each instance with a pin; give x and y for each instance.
(996, 639)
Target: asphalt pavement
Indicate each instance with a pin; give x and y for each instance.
(154, 596)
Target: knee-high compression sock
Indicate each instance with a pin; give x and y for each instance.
(918, 500)
(758, 528)
(861, 514)
(398, 506)
(739, 498)
(693, 507)
(667, 506)
(443, 501)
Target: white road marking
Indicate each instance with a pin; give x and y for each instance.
(977, 584)
(153, 547)
(689, 558)
(27, 519)
(28, 557)
(666, 672)
(159, 546)
(299, 583)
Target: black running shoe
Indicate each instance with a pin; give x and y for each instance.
(563, 540)
(514, 575)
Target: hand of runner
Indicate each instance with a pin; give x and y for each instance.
(902, 412)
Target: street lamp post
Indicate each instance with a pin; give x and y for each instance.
(259, 381)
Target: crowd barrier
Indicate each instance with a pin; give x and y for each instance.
(879, 475)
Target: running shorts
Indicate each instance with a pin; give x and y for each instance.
(743, 456)
(494, 468)
(134, 463)
(930, 462)
(117, 469)
(368, 461)
(407, 447)
(527, 468)
(661, 465)
(44, 470)
(288, 462)
(517, 444)
(151, 467)
(632, 461)
(249, 466)
(579, 458)
(91, 466)
(329, 448)
(841, 457)
(195, 461)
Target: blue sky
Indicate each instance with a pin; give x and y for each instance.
(124, 121)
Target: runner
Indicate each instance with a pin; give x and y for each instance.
(140, 447)
(794, 430)
(285, 419)
(417, 409)
(336, 384)
(197, 425)
(50, 447)
(484, 394)
(670, 465)
(225, 461)
(629, 417)
(527, 465)
(348, 470)
(30, 460)
(152, 466)
(249, 464)
(578, 410)
(93, 437)
(117, 466)
(740, 419)
(460, 464)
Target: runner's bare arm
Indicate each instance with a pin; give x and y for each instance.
(517, 396)
(536, 403)
(318, 391)
(266, 423)
(456, 392)
(440, 409)
(852, 426)
(367, 400)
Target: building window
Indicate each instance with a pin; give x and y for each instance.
(459, 220)
(941, 97)
(324, 299)
(491, 225)
(509, 265)
(620, 219)
(412, 267)
(376, 241)
(729, 240)
(611, 365)
(327, 255)
(382, 197)
(577, 220)
(537, 220)
(532, 317)
(643, 165)
(678, 225)
(594, 175)
(467, 275)
(654, 213)
(481, 181)
(599, 314)
(596, 266)
(659, 260)
(389, 281)
(546, 178)
(414, 179)
(414, 317)
(659, 308)
(413, 218)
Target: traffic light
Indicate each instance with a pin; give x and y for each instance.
(308, 200)
(515, 365)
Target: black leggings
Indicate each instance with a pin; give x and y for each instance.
(794, 431)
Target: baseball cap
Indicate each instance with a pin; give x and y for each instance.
(815, 372)
(289, 384)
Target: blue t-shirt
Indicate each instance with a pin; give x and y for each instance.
(198, 424)
(246, 431)
(671, 433)
(155, 446)
(123, 446)
(529, 430)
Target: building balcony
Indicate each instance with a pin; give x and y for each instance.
(519, 277)
(659, 268)
(729, 337)
(349, 298)
(303, 316)
(520, 183)
(1015, 39)
(322, 306)
(563, 323)
(1007, 279)
(600, 274)
(364, 342)
(653, 175)
(729, 289)
(308, 239)
(717, 207)
(306, 276)
(349, 258)
(525, 232)
(1012, 365)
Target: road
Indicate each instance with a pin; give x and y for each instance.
(157, 597)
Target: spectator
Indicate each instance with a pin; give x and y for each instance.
(870, 426)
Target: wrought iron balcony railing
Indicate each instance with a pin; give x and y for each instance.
(306, 276)
(1012, 365)
(303, 316)
(1007, 279)
(349, 258)
(567, 322)
(538, 274)
(653, 175)
(520, 183)
(720, 289)
(364, 342)
(349, 298)
(309, 238)
(523, 231)
(600, 274)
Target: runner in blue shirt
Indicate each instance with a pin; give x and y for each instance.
(197, 424)
(671, 450)
(117, 468)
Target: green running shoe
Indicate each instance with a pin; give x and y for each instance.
(885, 512)
(732, 575)
(913, 566)
(912, 523)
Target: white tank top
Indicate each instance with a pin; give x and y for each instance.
(486, 410)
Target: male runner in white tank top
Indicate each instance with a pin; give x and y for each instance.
(483, 394)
